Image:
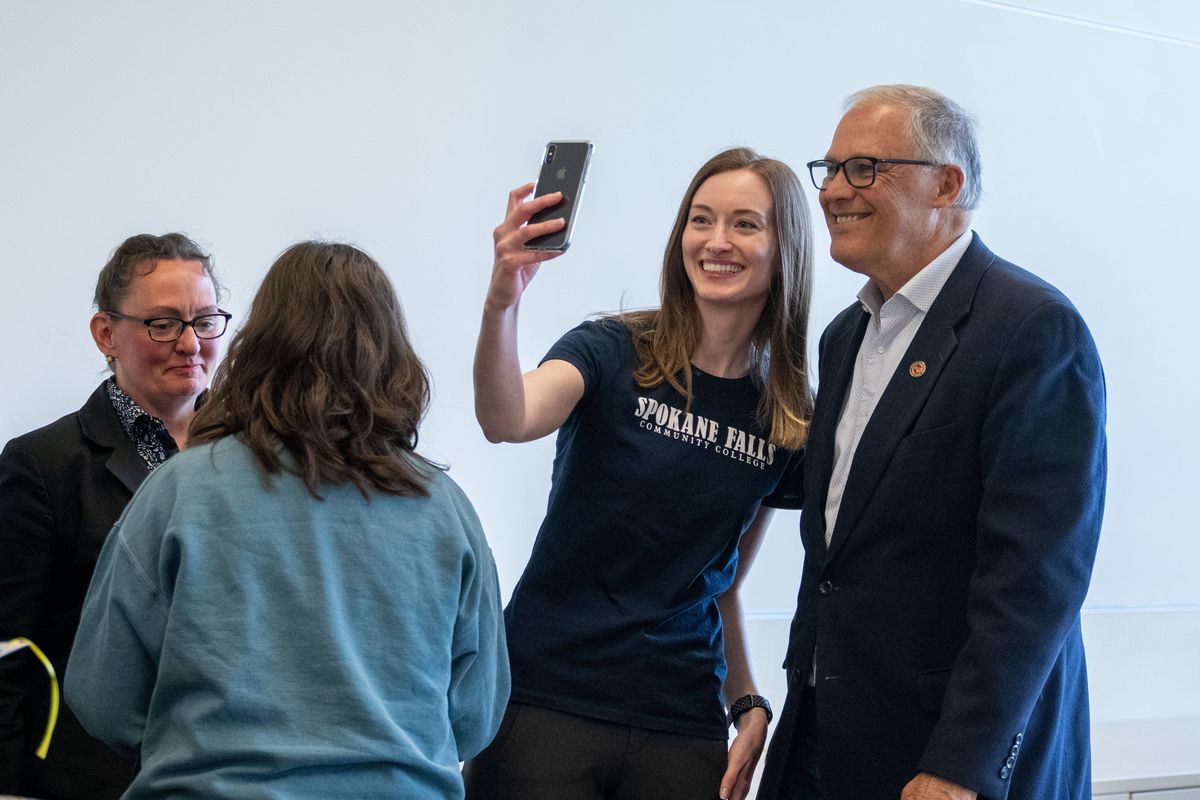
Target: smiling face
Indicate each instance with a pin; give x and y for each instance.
(891, 229)
(164, 378)
(730, 248)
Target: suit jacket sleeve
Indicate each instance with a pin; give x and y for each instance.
(1043, 461)
(27, 548)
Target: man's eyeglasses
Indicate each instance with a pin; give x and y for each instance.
(860, 171)
(168, 329)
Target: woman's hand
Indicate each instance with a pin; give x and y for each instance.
(515, 266)
(744, 753)
(511, 407)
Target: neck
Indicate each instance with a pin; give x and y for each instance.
(175, 416)
(724, 347)
(892, 277)
(178, 428)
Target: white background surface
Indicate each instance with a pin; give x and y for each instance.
(401, 126)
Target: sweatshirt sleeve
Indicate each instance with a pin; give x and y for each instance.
(113, 665)
(479, 673)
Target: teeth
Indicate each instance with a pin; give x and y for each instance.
(840, 218)
(709, 266)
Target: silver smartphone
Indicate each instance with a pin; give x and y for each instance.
(564, 169)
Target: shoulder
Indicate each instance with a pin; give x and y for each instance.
(595, 347)
(999, 291)
(602, 333)
(841, 327)
(446, 495)
(847, 318)
(1014, 308)
(63, 431)
(1006, 285)
(194, 476)
(48, 445)
(204, 485)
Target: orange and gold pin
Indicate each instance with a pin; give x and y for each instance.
(916, 369)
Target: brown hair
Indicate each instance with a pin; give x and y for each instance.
(323, 367)
(122, 267)
(665, 338)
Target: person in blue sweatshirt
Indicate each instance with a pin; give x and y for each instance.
(300, 605)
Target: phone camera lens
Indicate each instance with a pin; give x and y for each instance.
(550, 154)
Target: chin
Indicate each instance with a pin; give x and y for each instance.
(189, 388)
(841, 253)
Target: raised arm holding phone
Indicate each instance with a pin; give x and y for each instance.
(678, 428)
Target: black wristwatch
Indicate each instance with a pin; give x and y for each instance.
(744, 704)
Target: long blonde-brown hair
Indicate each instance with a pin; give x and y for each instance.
(324, 370)
(666, 337)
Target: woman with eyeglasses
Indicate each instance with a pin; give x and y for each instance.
(63, 486)
(301, 605)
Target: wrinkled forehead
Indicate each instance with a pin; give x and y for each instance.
(872, 129)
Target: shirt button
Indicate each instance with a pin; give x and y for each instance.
(881, 349)
(1009, 763)
(1004, 773)
(826, 588)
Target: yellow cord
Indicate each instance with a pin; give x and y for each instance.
(16, 644)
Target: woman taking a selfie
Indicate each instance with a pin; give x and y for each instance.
(300, 605)
(676, 426)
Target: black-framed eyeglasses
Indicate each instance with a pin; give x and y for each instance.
(168, 329)
(860, 171)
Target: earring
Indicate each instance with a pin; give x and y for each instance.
(109, 359)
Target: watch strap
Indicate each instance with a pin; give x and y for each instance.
(747, 702)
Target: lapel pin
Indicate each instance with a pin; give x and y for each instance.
(916, 369)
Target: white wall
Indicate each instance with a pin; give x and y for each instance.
(401, 126)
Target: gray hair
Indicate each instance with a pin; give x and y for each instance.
(940, 130)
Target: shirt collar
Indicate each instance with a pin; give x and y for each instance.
(147, 432)
(923, 288)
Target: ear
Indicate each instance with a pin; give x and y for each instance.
(102, 333)
(949, 186)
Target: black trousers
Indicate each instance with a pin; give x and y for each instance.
(792, 770)
(540, 754)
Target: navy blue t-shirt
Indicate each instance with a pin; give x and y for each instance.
(616, 617)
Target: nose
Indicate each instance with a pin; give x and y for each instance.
(717, 242)
(188, 341)
(838, 187)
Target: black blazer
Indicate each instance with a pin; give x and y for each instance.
(945, 611)
(61, 489)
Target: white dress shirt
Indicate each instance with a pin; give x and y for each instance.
(890, 331)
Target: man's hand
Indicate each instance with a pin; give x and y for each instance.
(931, 787)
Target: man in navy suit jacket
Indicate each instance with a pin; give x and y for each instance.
(954, 488)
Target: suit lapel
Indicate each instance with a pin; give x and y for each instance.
(100, 424)
(837, 368)
(908, 389)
